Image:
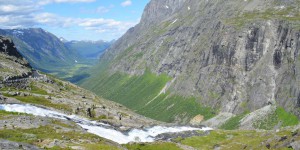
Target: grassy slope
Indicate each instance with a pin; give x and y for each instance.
(136, 91)
(280, 115)
(153, 146)
(239, 139)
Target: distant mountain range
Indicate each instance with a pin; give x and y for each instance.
(42, 49)
(88, 49)
(54, 55)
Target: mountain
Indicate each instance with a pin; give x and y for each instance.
(55, 104)
(222, 60)
(42, 49)
(38, 111)
(89, 49)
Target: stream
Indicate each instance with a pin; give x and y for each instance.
(102, 129)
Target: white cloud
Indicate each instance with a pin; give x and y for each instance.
(44, 2)
(102, 9)
(126, 3)
(29, 13)
(73, 1)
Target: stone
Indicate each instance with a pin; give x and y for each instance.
(197, 120)
(295, 145)
(283, 138)
(268, 146)
(13, 93)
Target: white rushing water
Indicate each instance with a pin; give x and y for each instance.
(101, 129)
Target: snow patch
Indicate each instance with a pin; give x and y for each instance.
(18, 32)
(167, 7)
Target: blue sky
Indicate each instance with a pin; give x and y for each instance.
(73, 19)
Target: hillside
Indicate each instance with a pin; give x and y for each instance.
(38, 111)
(20, 84)
(42, 49)
(46, 52)
(220, 59)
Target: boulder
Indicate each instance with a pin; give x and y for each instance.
(197, 120)
(13, 93)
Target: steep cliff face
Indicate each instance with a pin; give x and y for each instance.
(232, 56)
(8, 47)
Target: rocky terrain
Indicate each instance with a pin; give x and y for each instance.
(12, 63)
(209, 58)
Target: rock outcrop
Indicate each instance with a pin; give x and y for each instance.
(12, 64)
(8, 47)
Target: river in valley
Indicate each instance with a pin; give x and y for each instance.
(101, 129)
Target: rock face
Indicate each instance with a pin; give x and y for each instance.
(12, 64)
(236, 55)
(8, 47)
(8, 145)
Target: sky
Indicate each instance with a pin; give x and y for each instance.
(73, 19)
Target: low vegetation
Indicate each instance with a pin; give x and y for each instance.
(41, 101)
(233, 123)
(48, 133)
(240, 139)
(153, 146)
(141, 93)
(279, 118)
(6, 113)
(290, 14)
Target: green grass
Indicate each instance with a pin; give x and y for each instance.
(154, 146)
(36, 90)
(136, 91)
(48, 132)
(6, 113)
(41, 101)
(233, 123)
(166, 108)
(235, 140)
(60, 123)
(100, 147)
(43, 132)
(287, 119)
(33, 87)
(205, 142)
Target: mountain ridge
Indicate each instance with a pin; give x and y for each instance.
(41, 48)
(230, 56)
